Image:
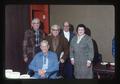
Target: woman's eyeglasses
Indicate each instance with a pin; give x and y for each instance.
(66, 25)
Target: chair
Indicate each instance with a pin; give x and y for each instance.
(30, 72)
(97, 58)
(58, 76)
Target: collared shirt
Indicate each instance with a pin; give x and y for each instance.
(55, 43)
(45, 62)
(67, 35)
(79, 38)
(37, 39)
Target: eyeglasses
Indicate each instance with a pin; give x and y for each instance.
(36, 23)
(66, 26)
(55, 29)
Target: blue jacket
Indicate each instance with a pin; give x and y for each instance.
(37, 64)
(113, 47)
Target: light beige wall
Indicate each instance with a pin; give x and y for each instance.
(100, 19)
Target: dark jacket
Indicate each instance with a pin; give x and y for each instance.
(62, 46)
(71, 35)
(29, 42)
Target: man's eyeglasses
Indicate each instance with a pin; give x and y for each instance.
(55, 29)
(66, 26)
(36, 23)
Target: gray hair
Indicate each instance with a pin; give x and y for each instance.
(55, 26)
(35, 19)
(44, 41)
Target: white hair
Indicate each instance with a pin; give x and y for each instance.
(44, 41)
(55, 26)
(35, 20)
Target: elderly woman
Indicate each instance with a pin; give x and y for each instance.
(82, 53)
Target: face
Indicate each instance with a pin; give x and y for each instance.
(55, 32)
(80, 31)
(44, 47)
(36, 25)
(66, 26)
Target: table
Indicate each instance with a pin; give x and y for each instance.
(104, 71)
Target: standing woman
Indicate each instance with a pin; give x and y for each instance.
(82, 53)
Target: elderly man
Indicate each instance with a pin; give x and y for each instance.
(32, 39)
(58, 44)
(45, 62)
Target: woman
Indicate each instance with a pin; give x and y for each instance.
(82, 53)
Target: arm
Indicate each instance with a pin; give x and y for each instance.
(90, 52)
(33, 65)
(65, 49)
(72, 51)
(25, 42)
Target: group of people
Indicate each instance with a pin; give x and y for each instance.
(69, 53)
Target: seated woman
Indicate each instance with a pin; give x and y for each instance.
(44, 63)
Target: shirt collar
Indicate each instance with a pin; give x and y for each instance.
(66, 32)
(79, 37)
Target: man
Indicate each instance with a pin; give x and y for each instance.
(58, 44)
(32, 40)
(68, 35)
(45, 62)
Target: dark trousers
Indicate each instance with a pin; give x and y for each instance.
(61, 69)
(69, 69)
(66, 70)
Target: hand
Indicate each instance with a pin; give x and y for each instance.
(25, 59)
(42, 72)
(62, 60)
(88, 64)
(72, 62)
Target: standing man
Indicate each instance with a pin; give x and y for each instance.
(68, 35)
(59, 45)
(32, 39)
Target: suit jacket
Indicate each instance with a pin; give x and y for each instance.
(62, 46)
(70, 38)
(37, 63)
(71, 35)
